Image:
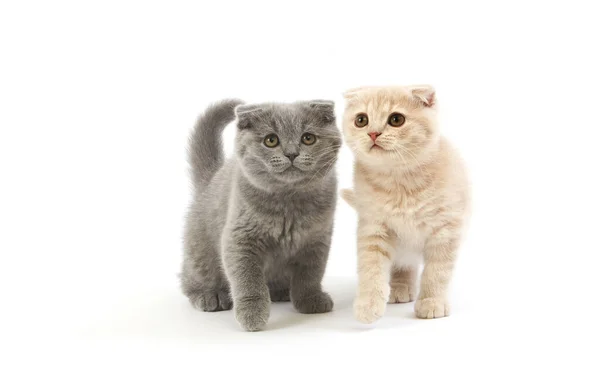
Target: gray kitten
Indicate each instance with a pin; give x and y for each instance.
(259, 226)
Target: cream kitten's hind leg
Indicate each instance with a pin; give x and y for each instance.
(440, 254)
(375, 250)
(403, 284)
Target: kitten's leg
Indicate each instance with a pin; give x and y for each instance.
(202, 277)
(308, 268)
(207, 291)
(244, 268)
(403, 284)
(440, 254)
(279, 289)
(376, 246)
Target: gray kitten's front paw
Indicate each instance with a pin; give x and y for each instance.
(252, 313)
(314, 304)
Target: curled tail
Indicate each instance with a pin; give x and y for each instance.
(205, 149)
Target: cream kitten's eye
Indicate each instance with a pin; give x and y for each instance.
(396, 120)
(308, 139)
(361, 120)
(271, 140)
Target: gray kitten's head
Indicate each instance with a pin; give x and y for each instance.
(287, 144)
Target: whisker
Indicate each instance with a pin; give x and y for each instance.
(413, 156)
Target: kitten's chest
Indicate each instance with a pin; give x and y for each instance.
(405, 221)
(403, 211)
(290, 229)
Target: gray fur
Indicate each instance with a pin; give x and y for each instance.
(259, 226)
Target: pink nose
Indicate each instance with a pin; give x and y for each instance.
(374, 136)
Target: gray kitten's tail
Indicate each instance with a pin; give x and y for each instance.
(205, 150)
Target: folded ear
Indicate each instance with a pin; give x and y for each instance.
(247, 114)
(352, 94)
(425, 94)
(324, 109)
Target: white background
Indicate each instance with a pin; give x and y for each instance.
(96, 103)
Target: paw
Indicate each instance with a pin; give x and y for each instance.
(348, 196)
(431, 308)
(316, 303)
(280, 295)
(367, 309)
(211, 300)
(401, 293)
(252, 313)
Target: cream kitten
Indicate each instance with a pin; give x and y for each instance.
(412, 198)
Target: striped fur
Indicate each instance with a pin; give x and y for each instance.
(412, 198)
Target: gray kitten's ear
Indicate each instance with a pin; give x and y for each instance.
(246, 114)
(425, 94)
(325, 109)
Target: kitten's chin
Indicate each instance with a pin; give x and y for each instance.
(375, 152)
(377, 155)
(290, 175)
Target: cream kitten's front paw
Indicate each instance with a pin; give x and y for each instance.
(348, 196)
(367, 310)
(431, 308)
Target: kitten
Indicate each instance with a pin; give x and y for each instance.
(412, 197)
(259, 226)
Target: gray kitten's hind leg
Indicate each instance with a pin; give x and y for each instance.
(202, 278)
(207, 291)
(279, 289)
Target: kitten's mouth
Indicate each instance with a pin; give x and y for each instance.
(293, 171)
(376, 147)
(290, 174)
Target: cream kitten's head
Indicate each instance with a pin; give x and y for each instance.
(391, 125)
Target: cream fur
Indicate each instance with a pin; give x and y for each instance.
(412, 199)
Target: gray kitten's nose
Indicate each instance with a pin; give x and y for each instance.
(291, 156)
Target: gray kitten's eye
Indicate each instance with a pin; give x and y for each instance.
(271, 140)
(396, 120)
(309, 139)
(361, 120)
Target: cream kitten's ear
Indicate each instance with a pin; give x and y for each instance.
(425, 93)
(352, 94)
